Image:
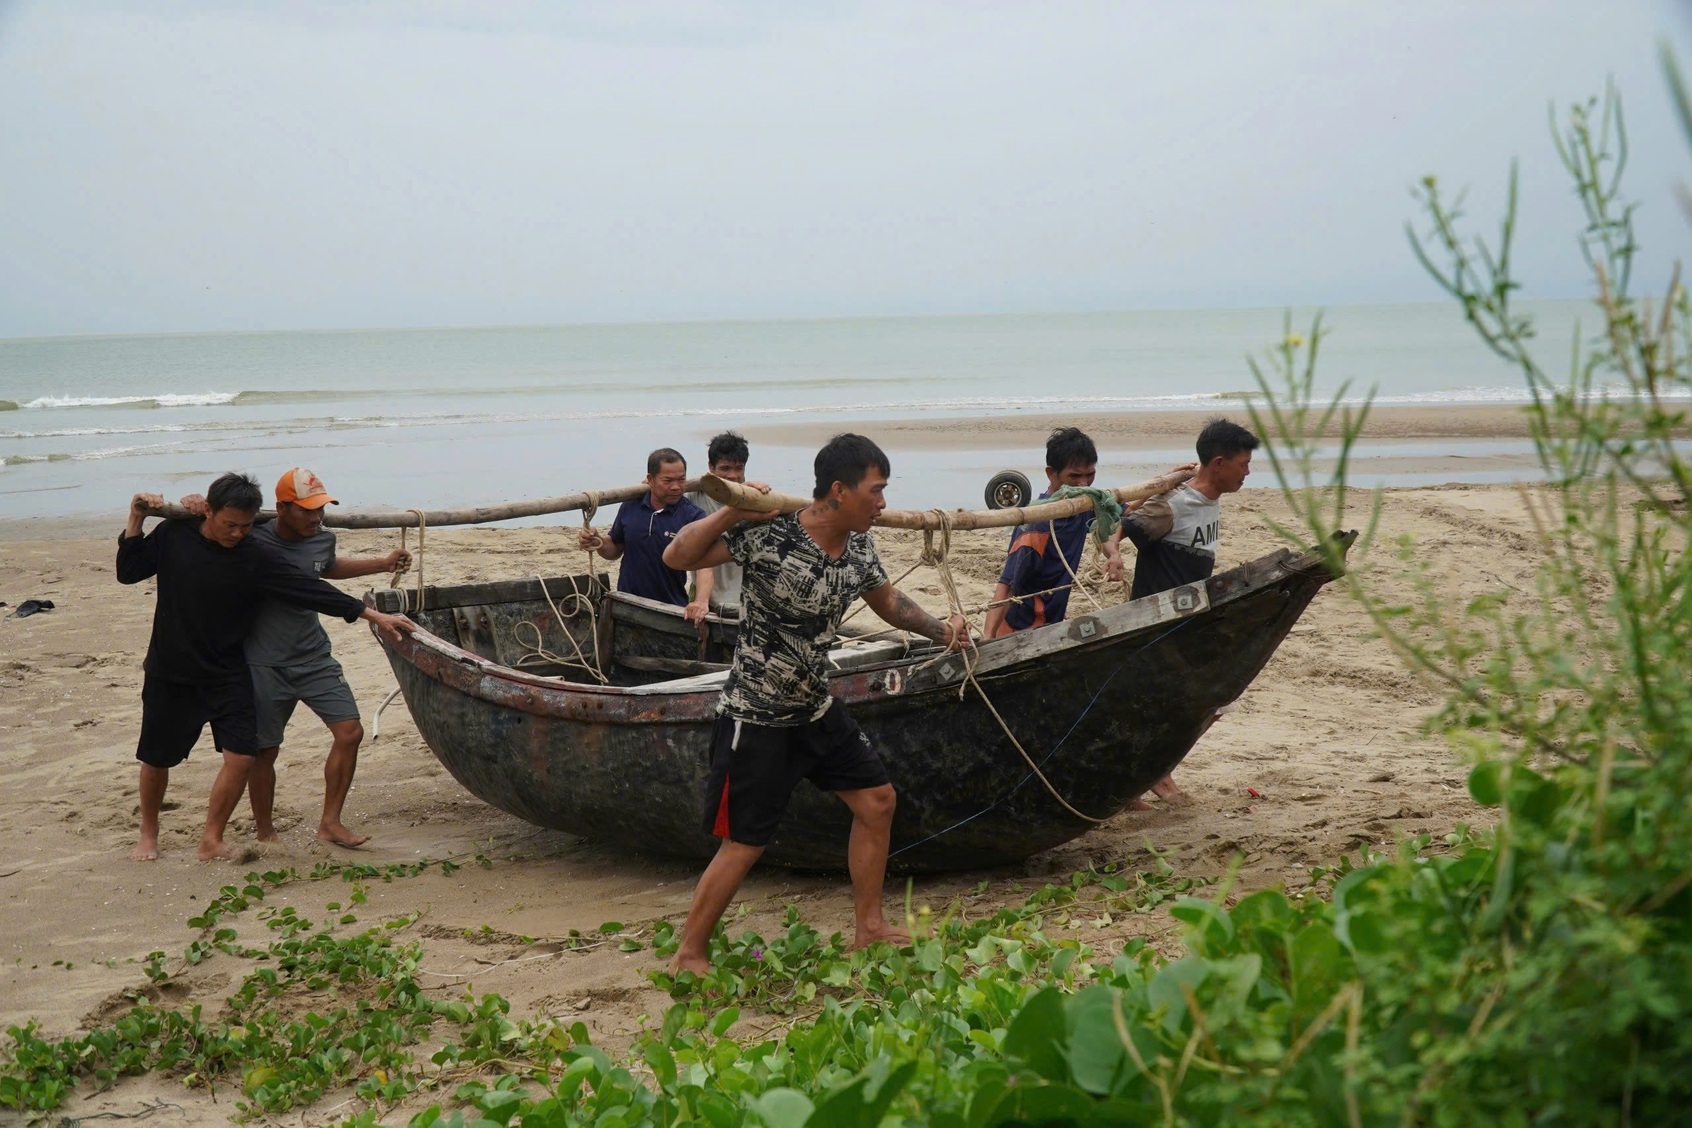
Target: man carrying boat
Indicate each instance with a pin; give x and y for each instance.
(292, 662)
(1044, 557)
(726, 458)
(1175, 532)
(212, 579)
(776, 723)
(641, 531)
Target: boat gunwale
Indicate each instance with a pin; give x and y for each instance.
(871, 681)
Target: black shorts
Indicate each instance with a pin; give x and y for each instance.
(173, 714)
(754, 769)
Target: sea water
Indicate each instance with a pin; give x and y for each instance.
(449, 417)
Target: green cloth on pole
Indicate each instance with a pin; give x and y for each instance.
(1107, 511)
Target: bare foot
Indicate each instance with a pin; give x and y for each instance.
(218, 851)
(146, 850)
(1167, 790)
(337, 835)
(1142, 805)
(267, 834)
(881, 933)
(699, 965)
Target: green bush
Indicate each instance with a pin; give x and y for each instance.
(1542, 977)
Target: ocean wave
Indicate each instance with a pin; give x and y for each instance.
(684, 397)
(26, 459)
(160, 429)
(167, 399)
(1502, 396)
(274, 396)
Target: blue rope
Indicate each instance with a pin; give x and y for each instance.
(999, 802)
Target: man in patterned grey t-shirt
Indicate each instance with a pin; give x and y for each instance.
(777, 724)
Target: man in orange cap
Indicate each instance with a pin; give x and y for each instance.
(291, 660)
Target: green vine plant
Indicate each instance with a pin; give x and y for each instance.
(1572, 702)
(1300, 429)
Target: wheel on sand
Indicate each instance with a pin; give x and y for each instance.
(1008, 489)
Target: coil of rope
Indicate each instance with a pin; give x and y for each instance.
(584, 604)
(537, 651)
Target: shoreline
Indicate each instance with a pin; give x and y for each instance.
(1137, 430)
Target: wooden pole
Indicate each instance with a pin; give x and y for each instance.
(745, 497)
(397, 519)
(726, 492)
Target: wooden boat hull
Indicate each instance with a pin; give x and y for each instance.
(1105, 703)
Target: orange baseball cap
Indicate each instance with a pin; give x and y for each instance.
(304, 489)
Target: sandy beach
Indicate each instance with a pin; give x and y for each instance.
(1327, 739)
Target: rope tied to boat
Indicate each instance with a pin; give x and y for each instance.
(580, 603)
(588, 512)
(402, 569)
(1106, 509)
(936, 557)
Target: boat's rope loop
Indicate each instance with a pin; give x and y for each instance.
(537, 651)
(580, 603)
(393, 581)
(936, 557)
(588, 511)
(1096, 574)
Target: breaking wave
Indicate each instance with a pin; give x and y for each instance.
(169, 399)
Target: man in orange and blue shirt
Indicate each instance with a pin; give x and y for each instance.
(1033, 588)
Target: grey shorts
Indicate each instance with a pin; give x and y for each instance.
(277, 689)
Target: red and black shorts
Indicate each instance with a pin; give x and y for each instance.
(173, 715)
(754, 769)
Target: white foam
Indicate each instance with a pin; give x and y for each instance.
(166, 399)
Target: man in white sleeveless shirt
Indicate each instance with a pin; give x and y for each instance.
(1175, 533)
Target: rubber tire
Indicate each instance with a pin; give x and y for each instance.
(1009, 489)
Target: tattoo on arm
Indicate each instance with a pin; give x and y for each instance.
(905, 614)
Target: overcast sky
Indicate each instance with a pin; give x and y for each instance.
(277, 165)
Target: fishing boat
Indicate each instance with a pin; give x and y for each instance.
(589, 711)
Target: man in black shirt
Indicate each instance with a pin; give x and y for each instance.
(211, 582)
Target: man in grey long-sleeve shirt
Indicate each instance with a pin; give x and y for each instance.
(211, 581)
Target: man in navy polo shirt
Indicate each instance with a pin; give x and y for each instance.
(645, 527)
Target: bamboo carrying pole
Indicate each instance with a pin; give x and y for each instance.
(726, 492)
(406, 519)
(744, 497)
